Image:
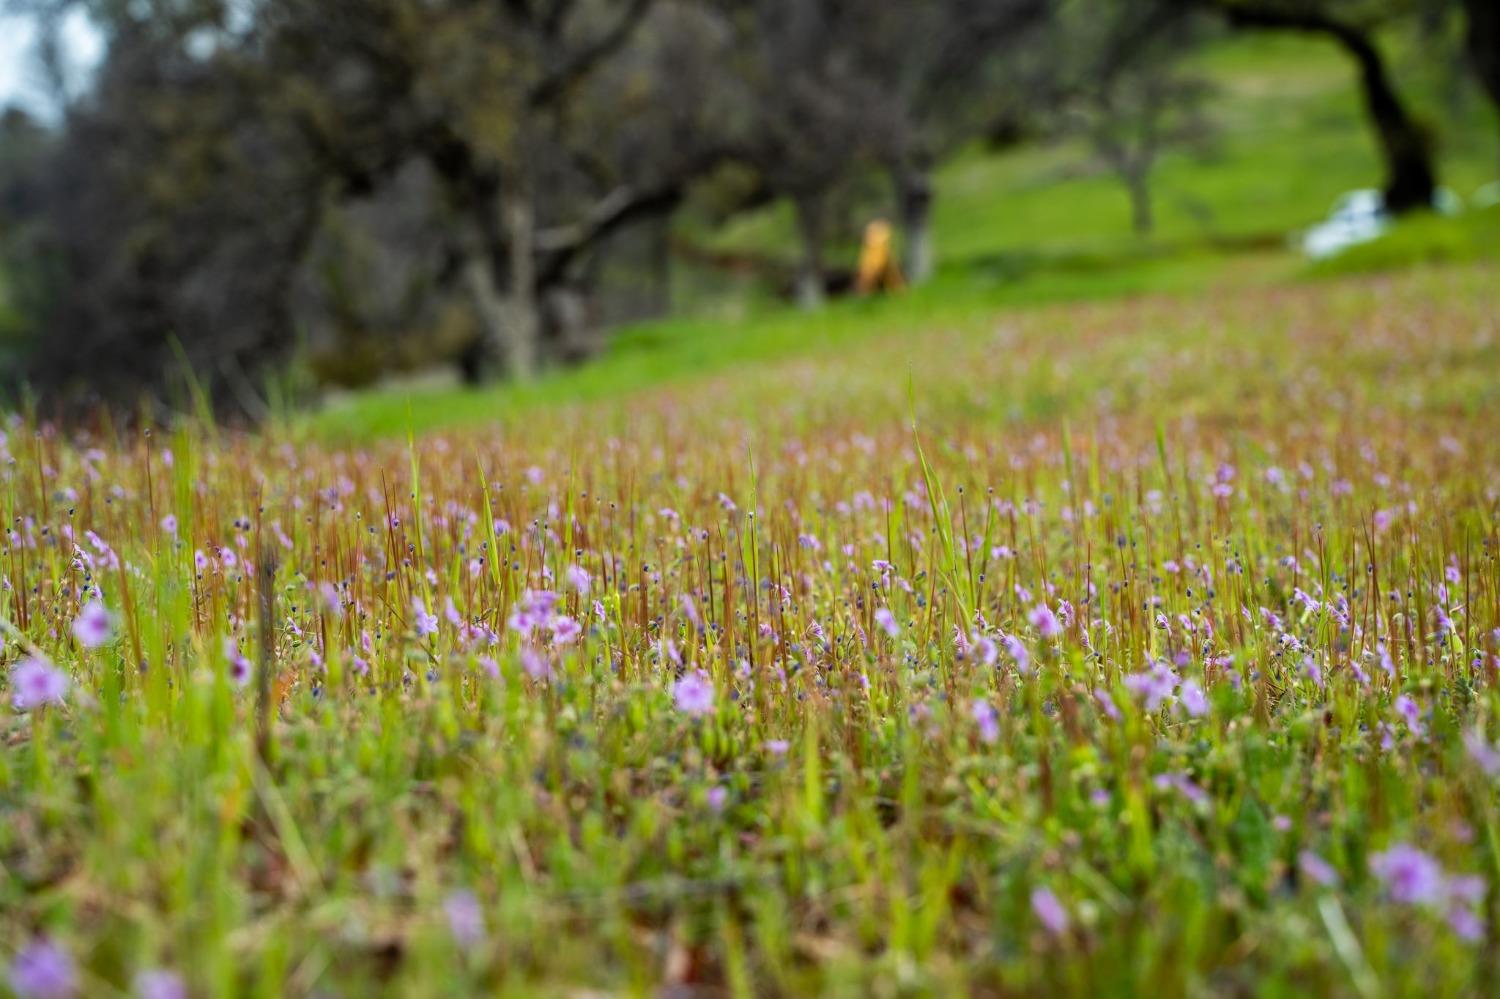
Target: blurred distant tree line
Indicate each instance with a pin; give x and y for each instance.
(372, 183)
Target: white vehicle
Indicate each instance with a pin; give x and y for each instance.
(1357, 217)
(1360, 216)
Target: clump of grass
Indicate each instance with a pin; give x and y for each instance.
(742, 686)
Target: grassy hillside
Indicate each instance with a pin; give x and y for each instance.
(1039, 225)
(1159, 659)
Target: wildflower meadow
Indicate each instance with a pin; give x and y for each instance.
(1134, 648)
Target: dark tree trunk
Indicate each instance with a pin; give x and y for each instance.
(914, 203)
(810, 226)
(570, 332)
(499, 259)
(1142, 216)
(502, 288)
(1483, 39)
(499, 273)
(661, 266)
(1411, 180)
(522, 331)
(480, 359)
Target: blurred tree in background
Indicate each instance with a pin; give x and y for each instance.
(1404, 142)
(372, 185)
(836, 89)
(1482, 37)
(177, 200)
(1122, 86)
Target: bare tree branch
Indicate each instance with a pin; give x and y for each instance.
(583, 62)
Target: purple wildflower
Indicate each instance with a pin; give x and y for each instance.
(1466, 888)
(1482, 753)
(1412, 877)
(239, 666)
(156, 983)
(1465, 897)
(465, 918)
(91, 626)
(1316, 869)
(1107, 704)
(1410, 713)
(1152, 687)
(1183, 785)
(425, 623)
(1466, 923)
(694, 694)
(1049, 911)
(1409, 875)
(1018, 653)
(986, 651)
(43, 970)
(534, 610)
(329, 594)
(1192, 698)
(36, 683)
(1386, 662)
(534, 664)
(886, 621)
(578, 578)
(1044, 621)
(984, 717)
(565, 630)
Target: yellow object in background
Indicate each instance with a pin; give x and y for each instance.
(878, 270)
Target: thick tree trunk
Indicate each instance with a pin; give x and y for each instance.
(914, 202)
(810, 225)
(569, 331)
(479, 359)
(507, 312)
(1142, 216)
(1411, 180)
(1483, 40)
(522, 333)
(661, 266)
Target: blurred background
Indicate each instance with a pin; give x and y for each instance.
(256, 204)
